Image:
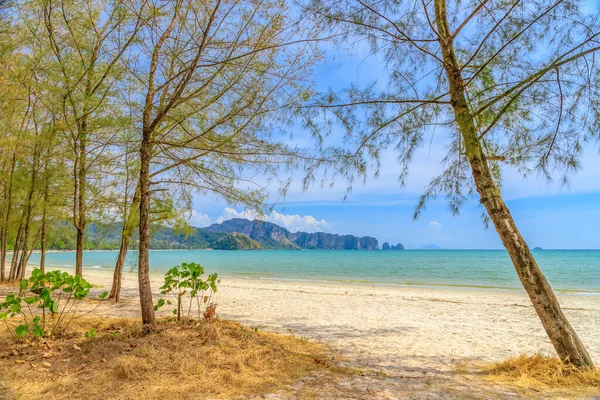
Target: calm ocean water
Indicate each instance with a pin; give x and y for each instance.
(567, 270)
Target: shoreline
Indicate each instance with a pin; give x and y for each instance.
(487, 271)
(592, 292)
(349, 250)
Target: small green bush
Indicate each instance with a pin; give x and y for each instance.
(47, 303)
(187, 279)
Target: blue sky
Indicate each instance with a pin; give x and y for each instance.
(548, 215)
(553, 219)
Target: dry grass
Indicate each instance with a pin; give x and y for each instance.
(9, 284)
(218, 359)
(540, 372)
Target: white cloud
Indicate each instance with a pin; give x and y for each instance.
(293, 223)
(435, 226)
(230, 213)
(436, 233)
(197, 219)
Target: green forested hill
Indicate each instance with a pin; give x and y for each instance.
(235, 234)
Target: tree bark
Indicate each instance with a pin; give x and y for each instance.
(146, 304)
(28, 214)
(16, 251)
(43, 229)
(128, 226)
(560, 332)
(43, 244)
(30, 251)
(81, 220)
(115, 290)
(6, 216)
(79, 252)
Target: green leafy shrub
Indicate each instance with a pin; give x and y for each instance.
(46, 304)
(187, 279)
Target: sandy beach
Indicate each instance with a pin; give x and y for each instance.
(406, 342)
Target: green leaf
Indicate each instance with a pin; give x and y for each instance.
(38, 332)
(103, 295)
(80, 293)
(31, 300)
(91, 333)
(22, 330)
(45, 295)
(159, 303)
(53, 307)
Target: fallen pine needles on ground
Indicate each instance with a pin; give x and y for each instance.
(211, 359)
(539, 372)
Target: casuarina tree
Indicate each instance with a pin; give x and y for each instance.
(514, 85)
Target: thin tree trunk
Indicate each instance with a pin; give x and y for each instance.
(44, 223)
(146, 304)
(23, 261)
(6, 216)
(128, 226)
(16, 252)
(81, 220)
(4, 222)
(82, 176)
(43, 244)
(148, 317)
(115, 290)
(15, 255)
(560, 332)
(29, 213)
(129, 221)
(30, 251)
(43, 241)
(79, 252)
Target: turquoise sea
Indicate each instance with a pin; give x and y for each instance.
(567, 270)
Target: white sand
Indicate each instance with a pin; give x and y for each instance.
(399, 333)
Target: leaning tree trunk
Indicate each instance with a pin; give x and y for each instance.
(562, 335)
(128, 226)
(148, 317)
(115, 290)
(29, 253)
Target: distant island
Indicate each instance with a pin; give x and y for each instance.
(273, 236)
(431, 247)
(234, 234)
(537, 248)
(386, 246)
